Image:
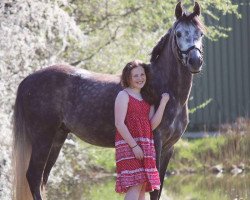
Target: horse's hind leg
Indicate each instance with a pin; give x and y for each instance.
(58, 141)
(41, 146)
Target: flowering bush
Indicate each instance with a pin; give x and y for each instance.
(32, 34)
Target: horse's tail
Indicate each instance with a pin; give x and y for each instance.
(21, 148)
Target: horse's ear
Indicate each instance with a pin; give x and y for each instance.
(197, 9)
(178, 10)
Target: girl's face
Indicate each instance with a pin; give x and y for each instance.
(137, 78)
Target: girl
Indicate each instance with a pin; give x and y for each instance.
(135, 119)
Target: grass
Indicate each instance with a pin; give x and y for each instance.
(232, 147)
(203, 187)
(90, 163)
(196, 154)
(102, 157)
(102, 190)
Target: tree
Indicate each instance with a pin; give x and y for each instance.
(125, 30)
(32, 34)
(100, 35)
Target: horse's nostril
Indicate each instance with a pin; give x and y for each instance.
(191, 61)
(195, 62)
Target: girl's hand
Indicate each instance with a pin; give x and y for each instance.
(138, 152)
(164, 98)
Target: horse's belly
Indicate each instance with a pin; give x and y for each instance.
(103, 138)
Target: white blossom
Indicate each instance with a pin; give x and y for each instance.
(33, 34)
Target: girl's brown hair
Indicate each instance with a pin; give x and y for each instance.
(147, 91)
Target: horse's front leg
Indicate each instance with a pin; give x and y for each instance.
(158, 147)
(166, 154)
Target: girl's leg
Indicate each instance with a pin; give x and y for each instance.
(133, 192)
(142, 192)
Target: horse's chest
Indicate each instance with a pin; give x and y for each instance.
(179, 121)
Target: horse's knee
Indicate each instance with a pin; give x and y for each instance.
(173, 139)
(171, 151)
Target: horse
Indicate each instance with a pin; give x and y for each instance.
(62, 99)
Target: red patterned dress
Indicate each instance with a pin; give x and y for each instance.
(131, 171)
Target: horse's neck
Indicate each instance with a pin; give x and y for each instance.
(171, 77)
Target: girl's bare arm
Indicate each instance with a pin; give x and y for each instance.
(121, 106)
(156, 117)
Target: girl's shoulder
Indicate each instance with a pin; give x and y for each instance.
(122, 96)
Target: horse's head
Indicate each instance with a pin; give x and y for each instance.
(187, 34)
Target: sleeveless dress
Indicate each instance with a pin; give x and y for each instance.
(131, 171)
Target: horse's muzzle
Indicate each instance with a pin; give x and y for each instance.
(195, 61)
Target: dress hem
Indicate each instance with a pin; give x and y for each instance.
(124, 189)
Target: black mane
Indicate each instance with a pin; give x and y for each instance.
(159, 47)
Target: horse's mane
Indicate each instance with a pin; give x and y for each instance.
(164, 39)
(159, 47)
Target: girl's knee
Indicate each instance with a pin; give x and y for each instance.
(133, 192)
(143, 186)
(139, 187)
(136, 187)
(142, 192)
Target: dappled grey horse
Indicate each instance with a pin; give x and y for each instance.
(57, 100)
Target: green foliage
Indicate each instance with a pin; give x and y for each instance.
(178, 187)
(103, 190)
(199, 154)
(204, 186)
(100, 157)
(127, 30)
(201, 106)
(232, 147)
(196, 154)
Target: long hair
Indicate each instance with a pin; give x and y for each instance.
(21, 150)
(147, 91)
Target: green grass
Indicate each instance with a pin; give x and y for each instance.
(103, 190)
(204, 187)
(232, 147)
(197, 153)
(104, 158)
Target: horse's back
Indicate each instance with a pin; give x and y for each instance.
(80, 99)
(90, 108)
(56, 83)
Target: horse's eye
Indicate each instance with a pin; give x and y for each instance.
(202, 34)
(178, 34)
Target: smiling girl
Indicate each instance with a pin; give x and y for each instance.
(135, 119)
